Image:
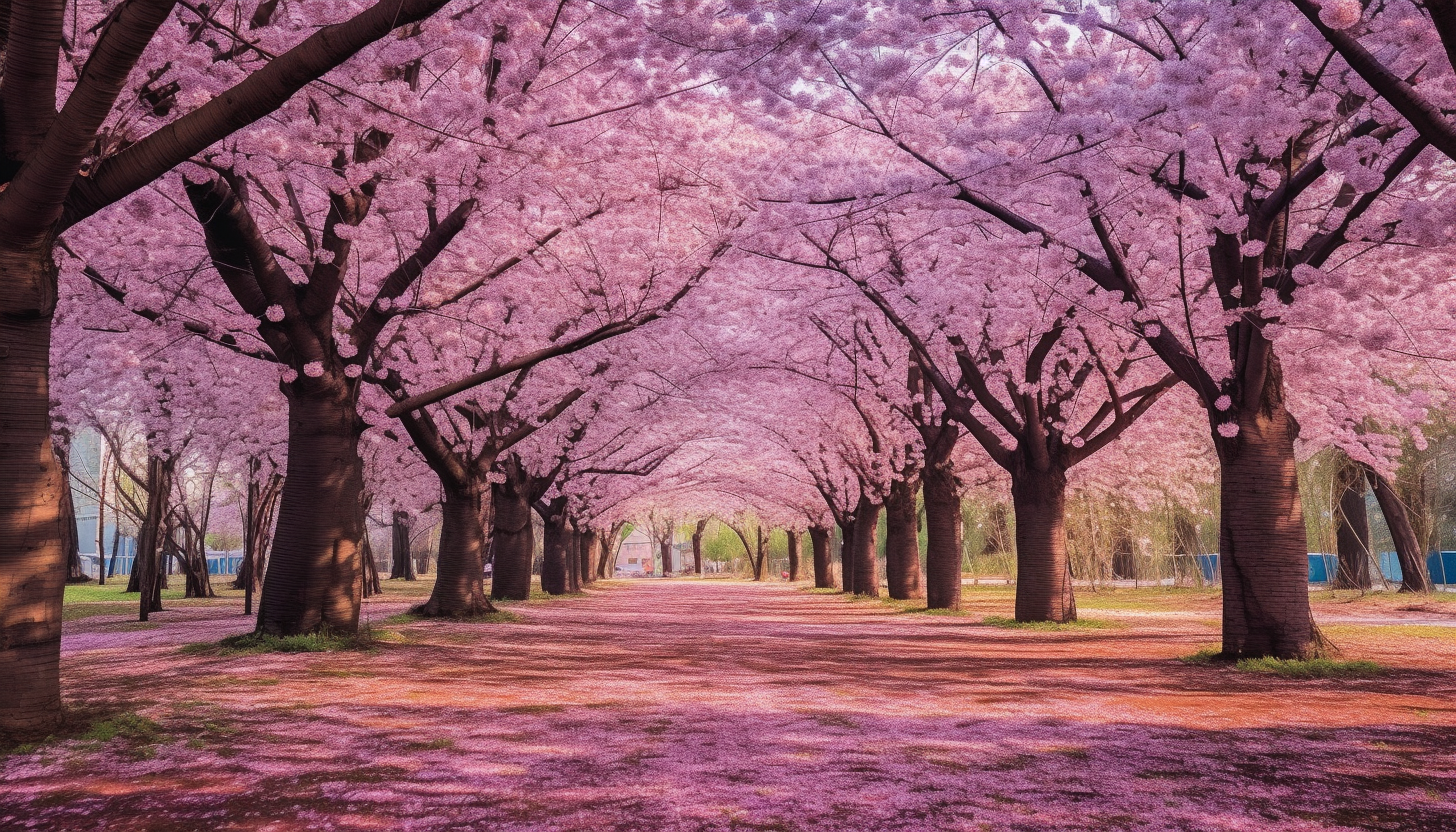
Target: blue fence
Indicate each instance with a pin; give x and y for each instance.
(218, 563)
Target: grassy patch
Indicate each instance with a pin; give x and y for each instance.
(430, 745)
(1048, 626)
(1317, 668)
(252, 643)
(76, 612)
(497, 617)
(1312, 668)
(129, 726)
(533, 709)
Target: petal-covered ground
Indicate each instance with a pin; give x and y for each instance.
(721, 705)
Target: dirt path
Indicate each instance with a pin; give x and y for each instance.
(717, 705)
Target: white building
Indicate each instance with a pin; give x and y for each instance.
(637, 556)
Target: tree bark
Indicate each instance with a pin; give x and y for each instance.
(1352, 528)
(402, 564)
(664, 549)
(314, 581)
(590, 541)
(698, 532)
(793, 554)
(819, 541)
(760, 557)
(554, 561)
(460, 569)
(32, 560)
(902, 540)
(70, 534)
(846, 554)
(1043, 573)
(513, 541)
(147, 566)
(101, 481)
(1414, 576)
(573, 558)
(866, 528)
(943, 537)
(1263, 551)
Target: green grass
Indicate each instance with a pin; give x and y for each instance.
(430, 745)
(1316, 668)
(497, 617)
(1049, 626)
(129, 726)
(817, 590)
(115, 592)
(253, 643)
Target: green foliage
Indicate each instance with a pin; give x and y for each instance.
(1318, 668)
(1052, 626)
(129, 726)
(251, 643)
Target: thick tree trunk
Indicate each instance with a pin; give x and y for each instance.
(590, 540)
(460, 569)
(942, 537)
(1352, 528)
(371, 568)
(402, 562)
(513, 543)
(866, 529)
(70, 534)
(32, 560)
(314, 581)
(194, 564)
(819, 542)
(573, 558)
(1043, 573)
(1414, 575)
(793, 554)
(846, 555)
(902, 540)
(148, 566)
(1263, 551)
(664, 550)
(698, 532)
(554, 561)
(760, 557)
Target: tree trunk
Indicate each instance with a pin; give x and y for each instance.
(1352, 528)
(942, 537)
(147, 566)
(1414, 576)
(1263, 551)
(760, 557)
(257, 531)
(819, 541)
(513, 542)
(371, 568)
(846, 554)
(554, 561)
(1043, 573)
(590, 540)
(902, 540)
(402, 563)
(32, 560)
(460, 568)
(866, 529)
(194, 563)
(314, 581)
(664, 549)
(573, 558)
(101, 481)
(793, 554)
(70, 534)
(698, 531)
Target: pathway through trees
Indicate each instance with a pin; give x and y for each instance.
(718, 705)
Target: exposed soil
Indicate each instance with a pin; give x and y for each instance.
(721, 705)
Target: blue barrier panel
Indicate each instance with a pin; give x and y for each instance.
(1390, 567)
(1208, 565)
(1323, 567)
(1443, 567)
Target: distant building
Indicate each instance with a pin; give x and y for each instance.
(637, 557)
